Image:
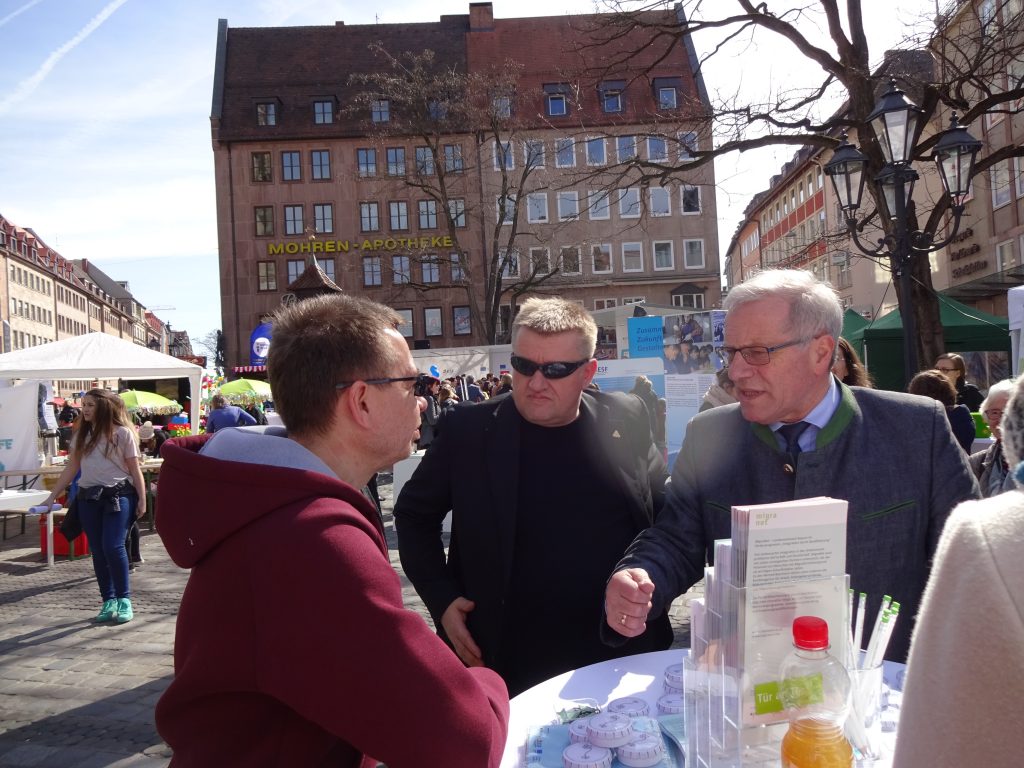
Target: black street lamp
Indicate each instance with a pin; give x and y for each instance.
(895, 123)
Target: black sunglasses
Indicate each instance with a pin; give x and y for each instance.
(547, 370)
(420, 379)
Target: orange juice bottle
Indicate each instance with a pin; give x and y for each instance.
(815, 691)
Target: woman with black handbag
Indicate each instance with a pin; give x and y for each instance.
(111, 494)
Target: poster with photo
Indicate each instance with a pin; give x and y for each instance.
(461, 322)
(432, 321)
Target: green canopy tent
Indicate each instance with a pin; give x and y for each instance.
(966, 330)
(854, 321)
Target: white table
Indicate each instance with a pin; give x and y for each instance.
(641, 675)
(18, 502)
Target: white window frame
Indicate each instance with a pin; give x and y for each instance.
(999, 176)
(1002, 249)
(533, 207)
(546, 254)
(600, 304)
(510, 209)
(556, 98)
(515, 261)
(671, 256)
(666, 195)
(624, 157)
(626, 300)
(639, 247)
(568, 203)
(677, 300)
(531, 160)
(703, 255)
(669, 103)
(612, 107)
(606, 250)
(653, 141)
(509, 153)
(1019, 162)
(593, 212)
(597, 141)
(560, 145)
(689, 142)
(633, 192)
(579, 260)
(683, 189)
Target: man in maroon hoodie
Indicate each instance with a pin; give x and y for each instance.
(292, 645)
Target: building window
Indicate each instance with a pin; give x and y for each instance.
(400, 270)
(533, 153)
(601, 258)
(291, 169)
(458, 273)
(293, 220)
(457, 212)
(453, 158)
(398, 215)
(657, 149)
(461, 323)
(625, 147)
(432, 322)
(405, 326)
(629, 203)
(569, 259)
(663, 256)
(598, 204)
(568, 206)
(688, 300)
(428, 214)
(1020, 176)
(323, 112)
(605, 303)
(261, 167)
(264, 220)
(693, 254)
(502, 107)
(509, 261)
(437, 109)
(424, 161)
(632, 257)
(431, 269)
(295, 268)
(691, 199)
(1002, 193)
(369, 217)
(267, 273)
(321, 164)
(506, 208)
(503, 156)
(596, 152)
(1004, 255)
(367, 161)
(565, 153)
(660, 205)
(396, 161)
(666, 98)
(266, 113)
(557, 105)
(327, 265)
(380, 111)
(540, 261)
(611, 101)
(537, 208)
(323, 217)
(687, 146)
(371, 270)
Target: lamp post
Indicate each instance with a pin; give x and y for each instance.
(894, 121)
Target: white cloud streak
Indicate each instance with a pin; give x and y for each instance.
(18, 11)
(27, 86)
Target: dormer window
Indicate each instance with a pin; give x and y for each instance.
(266, 113)
(611, 95)
(380, 111)
(502, 106)
(666, 92)
(556, 99)
(666, 98)
(323, 112)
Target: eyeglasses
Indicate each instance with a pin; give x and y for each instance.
(420, 379)
(547, 370)
(946, 370)
(755, 355)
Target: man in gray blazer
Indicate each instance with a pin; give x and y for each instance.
(891, 456)
(547, 485)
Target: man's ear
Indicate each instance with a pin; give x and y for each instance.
(355, 405)
(588, 372)
(824, 352)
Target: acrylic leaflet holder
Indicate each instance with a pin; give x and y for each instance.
(739, 638)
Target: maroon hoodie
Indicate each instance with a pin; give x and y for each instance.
(292, 645)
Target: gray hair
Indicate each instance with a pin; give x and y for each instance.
(999, 389)
(814, 307)
(1012, 424)
(553, 315)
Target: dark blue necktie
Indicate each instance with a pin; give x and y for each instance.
(791, 434)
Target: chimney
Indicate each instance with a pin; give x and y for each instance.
(481, 17)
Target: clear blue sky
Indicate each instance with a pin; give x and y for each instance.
(104, 124)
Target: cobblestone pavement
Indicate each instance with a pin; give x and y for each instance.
(77, 694)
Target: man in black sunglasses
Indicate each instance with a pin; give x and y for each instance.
(547, 486)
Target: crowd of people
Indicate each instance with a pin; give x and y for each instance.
(553, 564)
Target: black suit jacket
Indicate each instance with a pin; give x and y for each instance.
(472, 468)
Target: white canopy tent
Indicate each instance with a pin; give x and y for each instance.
(101, 356)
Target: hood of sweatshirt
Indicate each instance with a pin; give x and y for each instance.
(212, 486)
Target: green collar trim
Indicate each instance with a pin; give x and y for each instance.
(844, 414)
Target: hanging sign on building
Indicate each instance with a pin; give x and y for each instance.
(259, 344)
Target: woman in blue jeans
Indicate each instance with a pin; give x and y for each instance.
(111, 494)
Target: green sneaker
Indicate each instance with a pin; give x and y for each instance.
(106, 612)
(124, 611)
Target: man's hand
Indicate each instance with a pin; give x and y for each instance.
(627, 601)
(454, 622)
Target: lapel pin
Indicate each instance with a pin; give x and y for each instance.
(616, 433)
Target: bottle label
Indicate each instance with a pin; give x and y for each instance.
(774, 696)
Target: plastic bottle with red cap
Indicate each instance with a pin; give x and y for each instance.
(815, 691)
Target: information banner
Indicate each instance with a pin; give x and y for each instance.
(19, 427)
